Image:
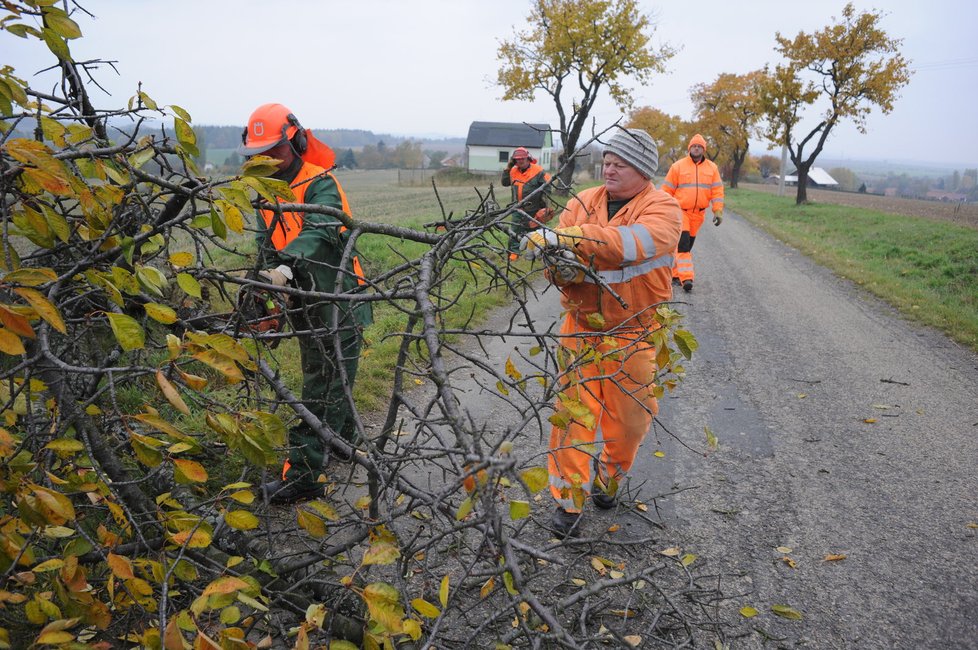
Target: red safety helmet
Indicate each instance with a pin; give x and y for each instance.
(269, 126)
(520, 152)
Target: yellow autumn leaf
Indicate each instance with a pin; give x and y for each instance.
(225, 585)
(443, 592)
(44, 308)
(672, 551)
(787, 560)
(191, 470)
(10, 343)
(536, 478)
(120, 566)
(869, 420)
(633, 640)
(783, 549)
(659, 454)
(425, 608)
(578, 582)
(748, 612)
(241, 520)
(835, 557)
(487, 588)
(171, 394)
(598, 566)
(312, 524)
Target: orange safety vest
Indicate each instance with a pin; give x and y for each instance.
(519, 179)
(286, 226)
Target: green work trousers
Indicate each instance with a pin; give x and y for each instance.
(323, 393)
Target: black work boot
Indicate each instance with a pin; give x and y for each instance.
(688, 286)
(566, 524)
(600, 496)
(676, 282)
(292, 491)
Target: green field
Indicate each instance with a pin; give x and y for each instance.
(927, 269)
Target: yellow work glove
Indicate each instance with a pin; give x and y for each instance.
(717, 217)
(532, 245)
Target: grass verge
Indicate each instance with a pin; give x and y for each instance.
(928, 270)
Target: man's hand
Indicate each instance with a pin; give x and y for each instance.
(280, 276)
(717, 217)
(532, 245)
(564, 267)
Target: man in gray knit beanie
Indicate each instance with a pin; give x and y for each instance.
(616, 239)
(637, 148)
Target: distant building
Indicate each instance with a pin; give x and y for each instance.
(490, 145)
(948, 197)
(817, 177)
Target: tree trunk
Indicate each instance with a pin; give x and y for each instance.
(802, 195)
(567, 164)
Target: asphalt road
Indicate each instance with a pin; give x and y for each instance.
(843, 430)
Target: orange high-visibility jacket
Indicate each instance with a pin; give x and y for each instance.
(288, 225)
(632, 253)
(696, 186)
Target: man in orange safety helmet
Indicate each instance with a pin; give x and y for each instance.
(306, 250)
(625, 233)
(526, 177)
(695, 182)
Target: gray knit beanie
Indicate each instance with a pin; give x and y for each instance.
(637, 148)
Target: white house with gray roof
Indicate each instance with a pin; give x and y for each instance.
(490, 145)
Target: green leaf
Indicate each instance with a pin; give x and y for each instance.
(711, 438)
(189, 284)
(58, 20)
(127, 330)
(536, 478)
(217, 225)
(785, 611)
(686, 342)
(55, 43)
(141, 157)
(181, 113)
(463, 509)
(519, 510)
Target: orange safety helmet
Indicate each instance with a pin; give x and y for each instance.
(269, 126)
(521, 152)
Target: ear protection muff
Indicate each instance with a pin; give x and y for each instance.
(299, 141)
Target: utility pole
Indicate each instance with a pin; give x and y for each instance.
(784, 168)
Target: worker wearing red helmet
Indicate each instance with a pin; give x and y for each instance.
(306, 250)
(526, 177)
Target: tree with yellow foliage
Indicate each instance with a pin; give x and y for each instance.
(670, 132)
(571, 51)
(728, 112)
(838, 73)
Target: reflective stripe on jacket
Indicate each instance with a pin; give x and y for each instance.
(696, 186)
(633, 253)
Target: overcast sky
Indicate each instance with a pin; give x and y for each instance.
(427, 67)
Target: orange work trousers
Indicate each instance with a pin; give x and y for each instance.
(610, 405)
(683, 268)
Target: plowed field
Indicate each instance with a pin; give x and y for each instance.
(964, 214)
